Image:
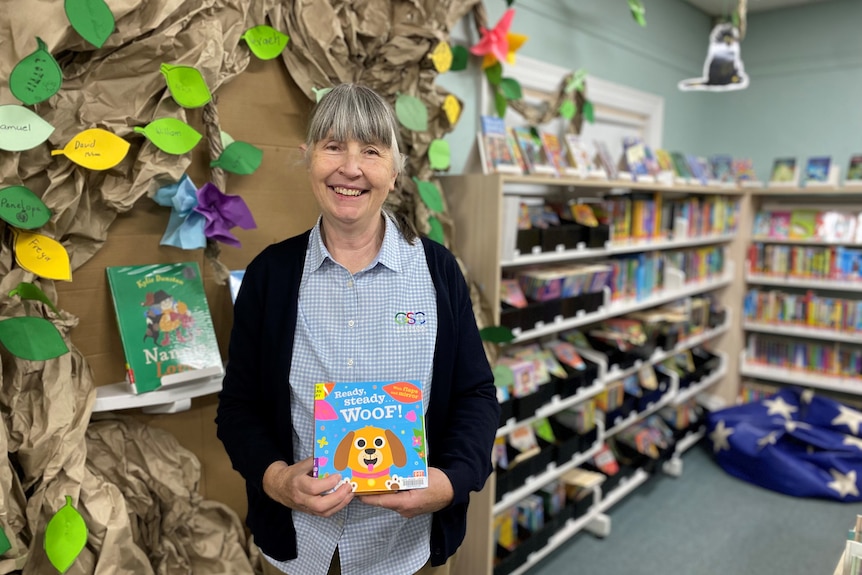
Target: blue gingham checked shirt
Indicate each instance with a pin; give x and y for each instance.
(347, 331)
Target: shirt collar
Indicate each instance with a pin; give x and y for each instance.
(389, 255)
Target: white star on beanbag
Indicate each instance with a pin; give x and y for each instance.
(719, 437)
(768, 439)
(792, 426)
(849, 417)
(780, 407)
(844, 484)
(853, 440)
(807, 396)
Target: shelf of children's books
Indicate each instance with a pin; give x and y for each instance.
(554, 406)
(166, 399)
(634, 246)
(659, 355)
(552, 472)
(808, 332)
(623, 307)
(636, 416)
(784, 281)
(811, 192)
(799, 242)
(705, 382)
(571, 528)
(850, 385)
(598, 183)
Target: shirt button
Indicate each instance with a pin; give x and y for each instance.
(349, 362)
(349, 283)
(350, 323)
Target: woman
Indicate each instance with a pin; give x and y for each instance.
(321, 307)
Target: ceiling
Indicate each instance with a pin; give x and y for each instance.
(722, 7)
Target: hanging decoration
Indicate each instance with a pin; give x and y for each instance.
(37, 77)
(187, 85)
(65, 537)
(265, 42)
(92, 19)
(223, 213)
(22, 208)
(496, 46)
(171, 135)
(185, 229)
(21, 128)
(96, 149)
(723, 69)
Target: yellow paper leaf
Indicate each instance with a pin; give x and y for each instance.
(43, 256)
(452, 107)
(441, 56)
(95, 149)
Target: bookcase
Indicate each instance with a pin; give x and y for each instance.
(802, 315)
(481, 208)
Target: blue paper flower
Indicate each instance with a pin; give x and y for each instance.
(186, 226)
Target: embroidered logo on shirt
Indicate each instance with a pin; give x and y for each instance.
(410, 318)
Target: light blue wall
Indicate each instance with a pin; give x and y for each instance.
(805, 66)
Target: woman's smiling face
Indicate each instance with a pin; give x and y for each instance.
(351, 180)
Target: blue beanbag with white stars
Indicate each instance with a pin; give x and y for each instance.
(795, 442)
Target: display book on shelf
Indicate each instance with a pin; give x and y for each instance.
(471, 197)
(167, 335)
(802, 313)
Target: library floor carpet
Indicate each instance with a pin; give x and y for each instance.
(707, 522)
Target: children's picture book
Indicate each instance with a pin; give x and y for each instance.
(372, 433)
(722, 168)
(634, 156)
(817, 169)
(854, 169)
(784, 172)
(533, 152)
(780, 225)
(577, 155)
(497, 155)
(680, 165)
(803, 224)
(743, 170)
(554, 151)
(836, 227)
(604, 159)
(165, 324)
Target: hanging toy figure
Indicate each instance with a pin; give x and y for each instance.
(723, 68)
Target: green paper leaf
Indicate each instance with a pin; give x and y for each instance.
(511, 88)
(92, 19)
(5, 545)
(496, 334)
(460, 57)
(494, 74)
(734, 19)
(239, 158)
(187, 85)
(226, 139)
(32, 338)
(439, 155)
(589, 112)
(22, 208)
(28, 291)
(503, 376)
(436, 232)
(37, 77)
(318, 94)
(265, 42)
(411, 112)
(171, 135)
(568, 109)
(500, 104)
(65, 536)
(638, 11)
(21, 128)
(430, 195)
(577, 81)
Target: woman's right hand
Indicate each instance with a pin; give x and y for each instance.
(294, 487)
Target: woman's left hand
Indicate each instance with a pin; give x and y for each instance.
(413, 502)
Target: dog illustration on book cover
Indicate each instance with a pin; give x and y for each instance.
(370, 452)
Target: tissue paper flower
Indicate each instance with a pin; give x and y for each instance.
(185, 227)
(223, 212)
(498, 44)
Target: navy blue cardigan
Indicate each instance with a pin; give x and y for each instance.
(253, 417)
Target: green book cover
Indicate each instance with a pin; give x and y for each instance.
(165, 323)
